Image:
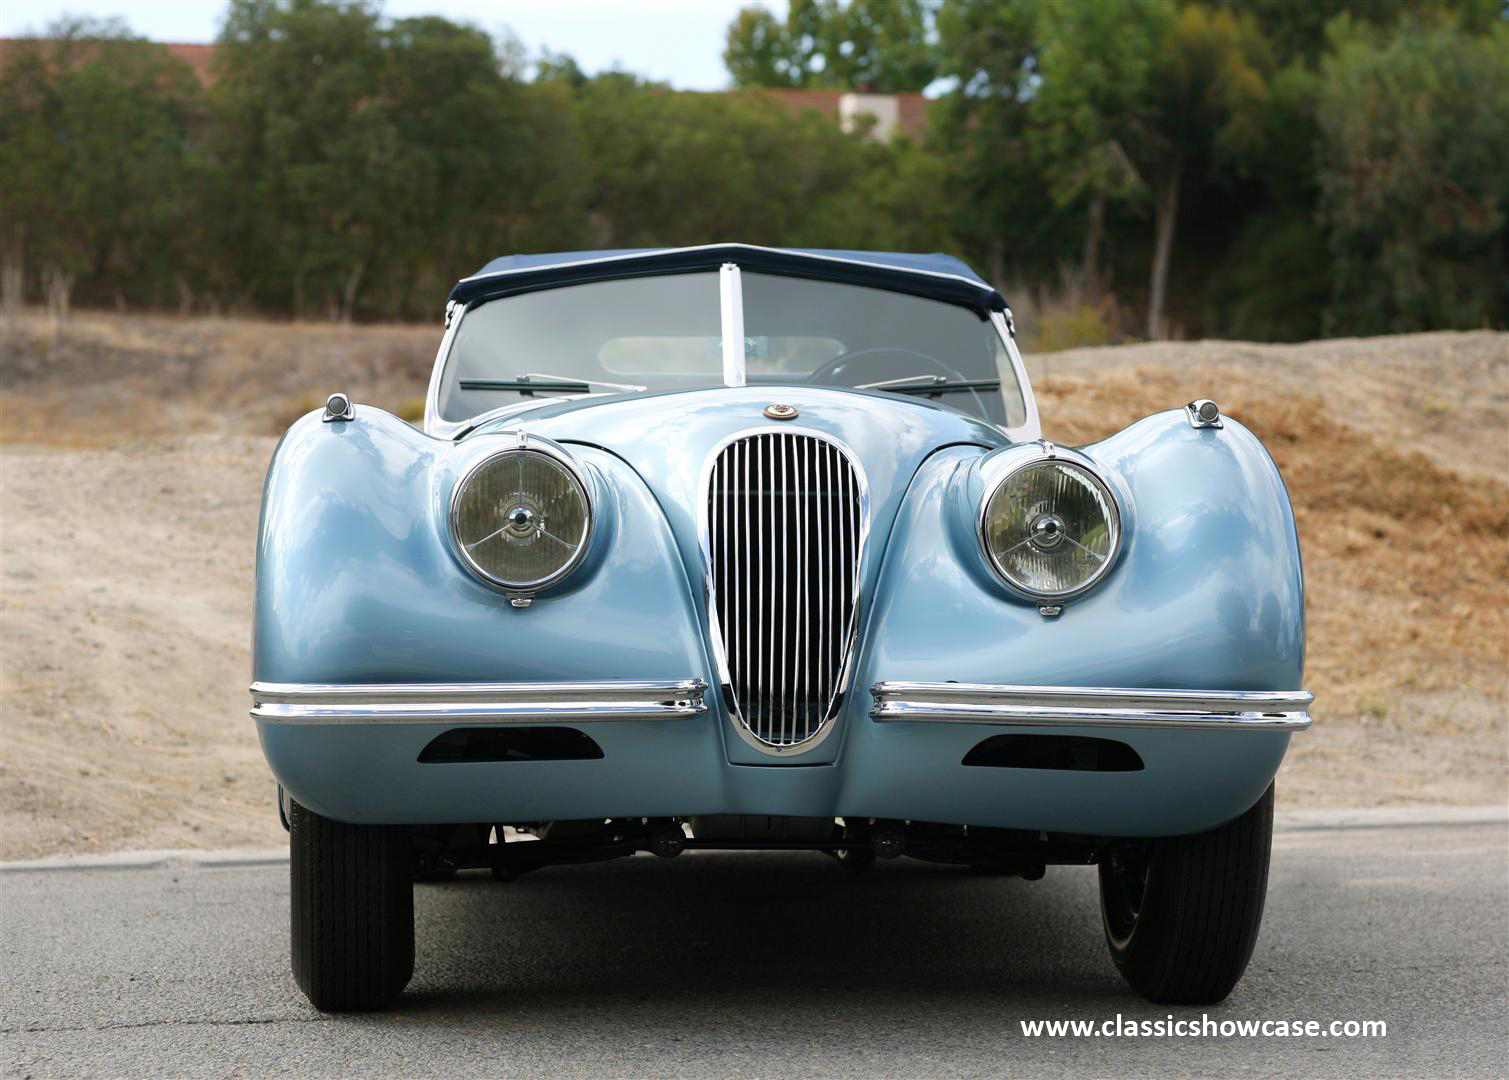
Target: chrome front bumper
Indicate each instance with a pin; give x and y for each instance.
(476, 703)
(895, 702)
(1076, 706)
(353, 753)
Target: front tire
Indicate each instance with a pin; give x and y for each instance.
(353, 911)
(1182, 914)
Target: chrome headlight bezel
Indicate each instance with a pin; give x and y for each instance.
(1050, 455)
(558, 455)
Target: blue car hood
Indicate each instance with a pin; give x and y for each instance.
(666, 438)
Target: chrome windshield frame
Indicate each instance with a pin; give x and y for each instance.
(434, 424)
(1031, 427)
(731, 322)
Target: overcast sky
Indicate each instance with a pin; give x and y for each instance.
(675, 41)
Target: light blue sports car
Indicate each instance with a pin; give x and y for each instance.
(730, 547)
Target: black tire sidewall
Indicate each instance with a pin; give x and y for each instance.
(1200, 912)
(351, 911)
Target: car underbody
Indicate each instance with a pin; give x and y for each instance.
(510, 850)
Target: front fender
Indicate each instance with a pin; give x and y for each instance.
(357, 581)
(1207, 594)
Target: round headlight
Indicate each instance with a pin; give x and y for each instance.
(1051, 529)
(521, 518)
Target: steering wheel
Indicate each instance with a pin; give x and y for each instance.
(884, 362)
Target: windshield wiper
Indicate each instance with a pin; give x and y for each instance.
(929, 384)
(530, 381)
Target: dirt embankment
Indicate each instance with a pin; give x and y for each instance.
(114, 378)
(131, 469)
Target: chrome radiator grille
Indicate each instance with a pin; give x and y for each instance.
(785, 515)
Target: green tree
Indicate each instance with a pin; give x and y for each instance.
(1209, 97)
(758, 51)
(1097, 98)
(889, 202)
(1004, 217)
(1414, 176)
(1109, 124)
(94, 126)
(681, 168)
(305, 151)
(365, 165)
(485, 162)
(1273, 279)
(1297, 30)
(669, 168)
(881, 44)
(560, 67)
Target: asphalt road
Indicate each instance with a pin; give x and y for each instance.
(766, 965)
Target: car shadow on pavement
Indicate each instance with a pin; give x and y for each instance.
(768, 934)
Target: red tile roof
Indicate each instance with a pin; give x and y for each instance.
(196, 56)
(912, 108)
(822, 101)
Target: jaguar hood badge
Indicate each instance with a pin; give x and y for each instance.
(781, 412)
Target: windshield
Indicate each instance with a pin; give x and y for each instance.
(664, 333)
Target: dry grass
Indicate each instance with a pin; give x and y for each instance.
(1444, 395)
(113, 377)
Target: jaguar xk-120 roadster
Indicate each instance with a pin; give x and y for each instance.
(730, 547)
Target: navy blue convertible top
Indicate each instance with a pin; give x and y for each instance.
(941, 277)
